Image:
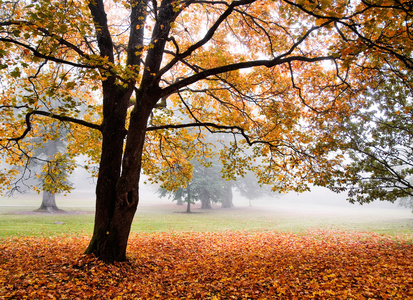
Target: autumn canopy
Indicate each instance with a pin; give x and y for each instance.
(139, 84)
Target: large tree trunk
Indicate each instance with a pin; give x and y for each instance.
(118, 181)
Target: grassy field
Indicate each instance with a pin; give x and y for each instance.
(285, 214)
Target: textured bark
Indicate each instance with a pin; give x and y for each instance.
(108, 231)
(117, 190)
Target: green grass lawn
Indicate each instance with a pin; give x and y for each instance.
(17, 218)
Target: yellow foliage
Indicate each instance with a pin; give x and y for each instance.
(316, 67)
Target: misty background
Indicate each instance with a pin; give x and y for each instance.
(319, 201)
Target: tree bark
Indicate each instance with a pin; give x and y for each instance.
(111, 217)
(117, 193)
(117, 190)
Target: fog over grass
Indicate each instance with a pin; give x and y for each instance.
(319, 208)
(319, 200)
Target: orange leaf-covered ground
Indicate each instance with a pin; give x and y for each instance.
(230, 265)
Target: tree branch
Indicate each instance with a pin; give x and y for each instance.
(104, 38)
(238, 66)
(50, 115)
(47, 33)
(228, 129)
(136, 35)
(36, 53)
(233, 129)
(208, 36)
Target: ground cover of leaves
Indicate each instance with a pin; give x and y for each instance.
(320, 264)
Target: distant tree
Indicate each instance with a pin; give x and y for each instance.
(51, 150)
(189, 199)
(378, 140)
(177, 195)
(406, 202)
(56, 169)
(47, 168)
(250, 188)
(227, 196)
(206, 185)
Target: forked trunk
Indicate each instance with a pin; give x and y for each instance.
(116, 203)
(110, 236)
(117, 187)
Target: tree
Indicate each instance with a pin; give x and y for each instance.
(378, 140)
(249, 188)
(47, 170)
(407, 202)
(206, 185)
(53, 150)
(275, 73)
(47, 164)
(227, 195)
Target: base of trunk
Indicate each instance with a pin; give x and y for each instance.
(49, 203)
(106, 247)
(111, 233)
(50, 210)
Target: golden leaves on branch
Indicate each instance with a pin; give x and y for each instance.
(290, 107)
